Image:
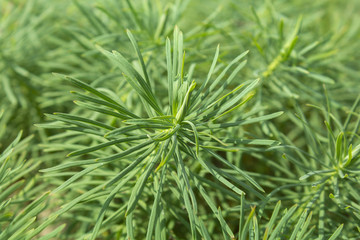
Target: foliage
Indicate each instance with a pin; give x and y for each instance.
(244, 124)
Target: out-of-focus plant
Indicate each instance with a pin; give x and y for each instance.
(169, 140)
(328, 168)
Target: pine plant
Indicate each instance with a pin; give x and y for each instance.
(114, 124)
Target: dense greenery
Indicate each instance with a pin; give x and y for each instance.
(179, 119)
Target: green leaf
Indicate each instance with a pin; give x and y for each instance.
(75, 177)
(106, 144)
(180, 115)
(242, 173)
(211, 71)
(170, 74)
(304, 227)
(149, 122)
(103, 160)
(101, 110)
(21, 228)
(155, 209)
(14, 187)
(52, 235)
(133, 78)
(245, 229)
(321, 78)
(56, 125)
(212, 206)
(269, 227)
(7, 152)
(140, 184)
(129, 227)
(122, 110)
(319, 172)
(169, 154)
(188, 206)
(222, 223)
(138, 53)
(246, 121)
(337, 232)
(113, 193)
(196, 135)
(352, 155)
(339, 148)
(72, 119)
(227, 104)
(299, 225)
(92, 18)
(220, 178)
(282, 222)
(184, 179)
(90, 89)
